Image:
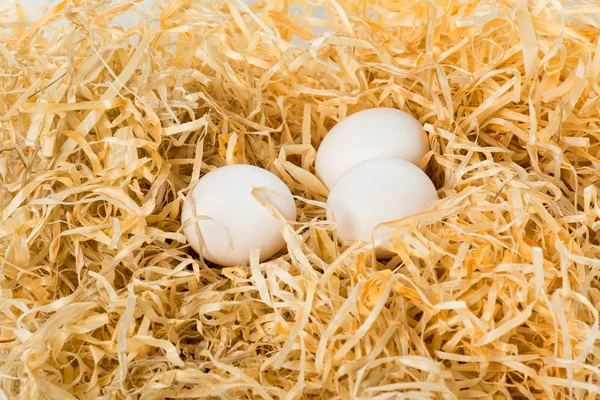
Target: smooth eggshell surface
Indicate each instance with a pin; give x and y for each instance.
(372, 133)
(225, 196)
(376, 191)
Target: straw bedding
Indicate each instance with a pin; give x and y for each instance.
(494, 292)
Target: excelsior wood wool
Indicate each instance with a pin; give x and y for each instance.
(494, 291)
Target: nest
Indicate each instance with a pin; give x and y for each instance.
(106, 125)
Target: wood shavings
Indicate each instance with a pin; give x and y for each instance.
(492, 293)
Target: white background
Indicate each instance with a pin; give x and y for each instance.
(36, 8)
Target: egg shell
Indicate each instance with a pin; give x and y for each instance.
(376, 191)
(225, 196)
(372, 133)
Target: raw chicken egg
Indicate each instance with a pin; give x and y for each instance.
(376, 191)
(373, 133)
(231, 222)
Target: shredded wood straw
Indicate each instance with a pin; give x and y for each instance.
(494, 292)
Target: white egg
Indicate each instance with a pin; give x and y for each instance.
(225, 196)
(376, 191)
(373, 133)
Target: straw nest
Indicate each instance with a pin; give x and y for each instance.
(494, 291)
